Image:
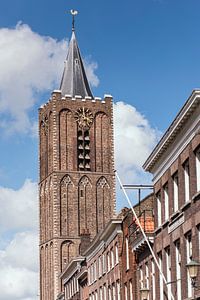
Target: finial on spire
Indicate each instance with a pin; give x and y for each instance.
(73, 13)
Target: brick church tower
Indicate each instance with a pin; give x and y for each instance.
(77, 193)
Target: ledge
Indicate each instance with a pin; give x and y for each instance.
(196, 197)
(175, 215)
(157, 230)
(185, 205)
(164, 224)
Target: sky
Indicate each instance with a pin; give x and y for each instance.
(146, 53)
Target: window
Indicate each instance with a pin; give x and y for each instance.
(108, 261)
(109, 293)
(116, 254)
(100, 293)
(126, 291)
(153, 280)
(198, 168)
(175, 185)
(187, 180)
(96, 295)
(166, 201)
(147, 275)
(118, 290)
(104, 263)
(114, 291)
(160, 276)
(131, 290)
(141, 278)
(198, 229)
(189, 246)
(104, 292)
(112, 258)
(158, 198)
(100, 266)
(189, 257)
(178, 269)
(95, 270)
(127, 254)
(168, 269)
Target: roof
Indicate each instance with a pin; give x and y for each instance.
(74, 80)
(173, 130)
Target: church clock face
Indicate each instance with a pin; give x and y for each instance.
(84, 117)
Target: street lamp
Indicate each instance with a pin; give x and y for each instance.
(144, 293)
(192, 268)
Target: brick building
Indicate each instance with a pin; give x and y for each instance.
(76, 185)
(107, 270)
(175, 165)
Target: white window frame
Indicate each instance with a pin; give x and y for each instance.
(176, 192)
(187, 180)
(188, 237)
(100, 266)
(125, 291)
(100, 293)
(112, 258)
(153, 280)
(160, 276)
(108, 261)
(118, 291)
(127, 254)
(166, 202)
(104, 263)
(116, 254)
(159, 209)
(130, 290)
(147, 274)
(141, 278)
(178, 269)
(197, 154)
(114, 291)
(109, 293)
(168, 269)
(105, 292)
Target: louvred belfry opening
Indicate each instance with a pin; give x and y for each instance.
(76, 171)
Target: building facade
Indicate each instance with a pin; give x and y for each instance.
(107, 270)
(77, 192)
(175, 165)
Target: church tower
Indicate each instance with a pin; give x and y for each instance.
(77, 193)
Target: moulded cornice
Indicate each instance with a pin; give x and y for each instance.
(173, 130)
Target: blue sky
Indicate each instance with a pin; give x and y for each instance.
(146, 53)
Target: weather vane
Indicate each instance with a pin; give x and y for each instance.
(73, 13)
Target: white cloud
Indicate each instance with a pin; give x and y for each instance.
(25, 243)
(19, 252)
(19, 208)
(31, 64)
(18, 283)
(134, 140)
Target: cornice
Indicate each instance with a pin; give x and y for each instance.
(173, 130)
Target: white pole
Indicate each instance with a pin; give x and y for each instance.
(145, 237)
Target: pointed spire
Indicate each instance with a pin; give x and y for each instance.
(74, 80)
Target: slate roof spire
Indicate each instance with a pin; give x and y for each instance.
(74, 80)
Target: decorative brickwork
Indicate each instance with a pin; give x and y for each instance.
(73, 200)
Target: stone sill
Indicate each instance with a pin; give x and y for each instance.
(165, 223)
(157, 230)
(185, 205)
(196, 197)
(174, 215)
